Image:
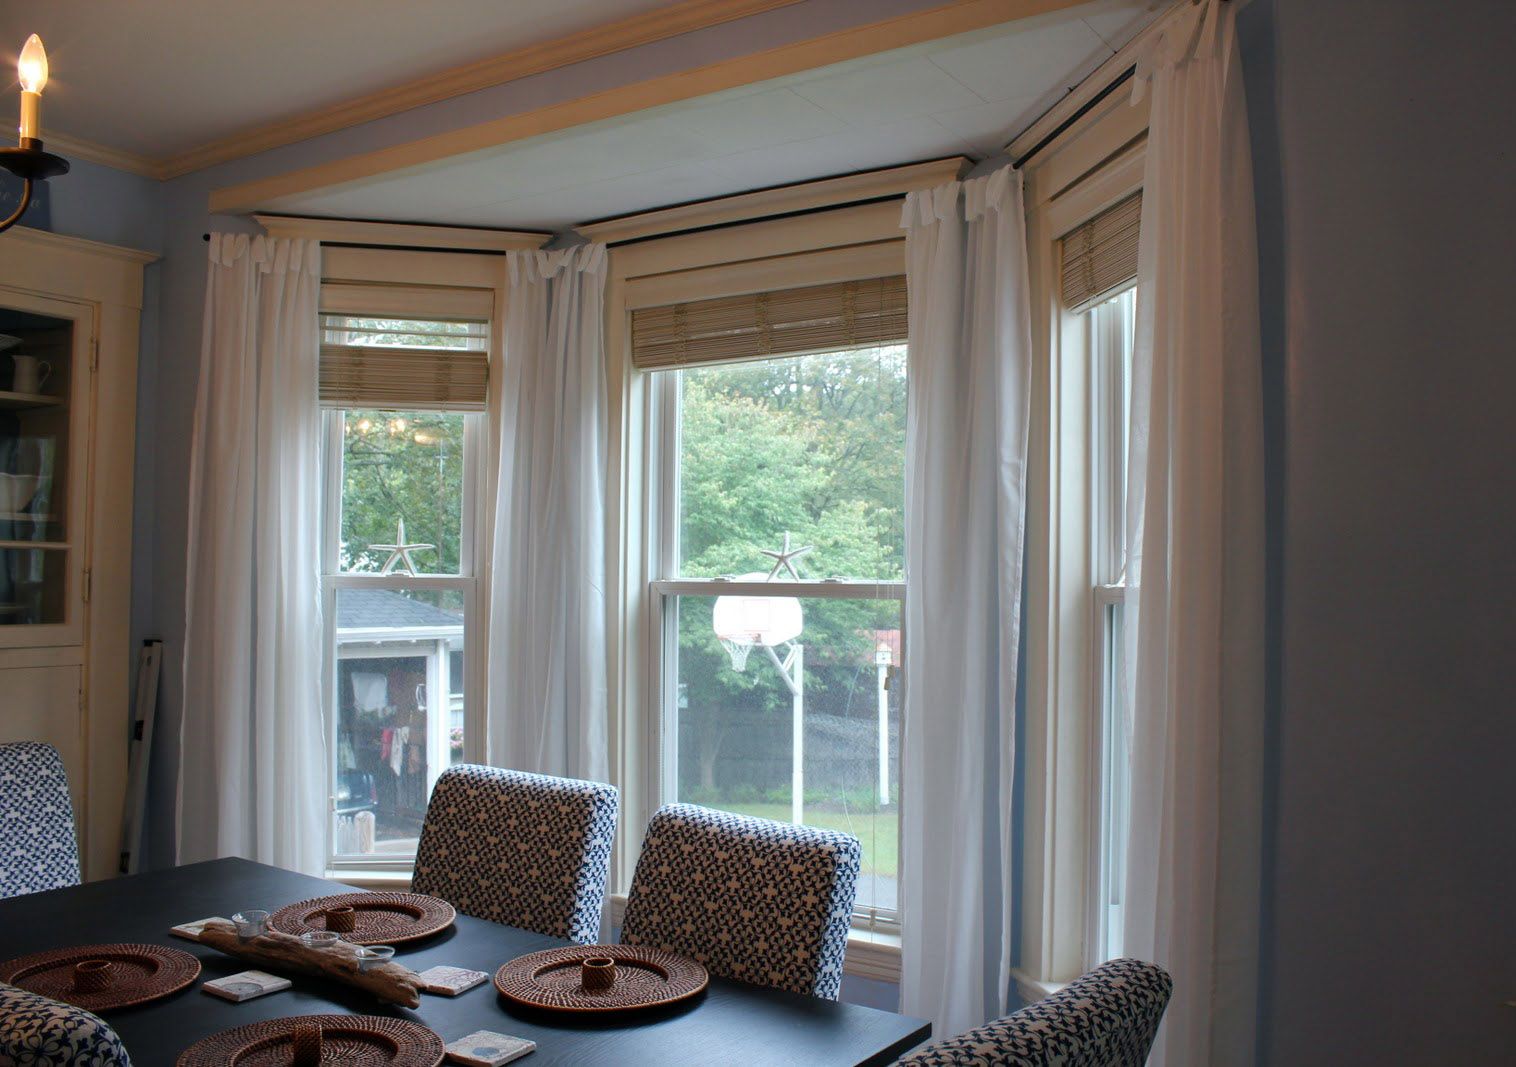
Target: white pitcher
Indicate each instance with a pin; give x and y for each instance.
(31, 374)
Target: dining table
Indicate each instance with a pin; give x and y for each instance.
(729, 1023)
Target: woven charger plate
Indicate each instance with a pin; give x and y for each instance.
(140, 973)
(645, 978)
(351, 1040)
(380, 918)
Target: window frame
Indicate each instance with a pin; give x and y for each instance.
(664, 593)
(1098, 163)
(843, 244)
(435, 282)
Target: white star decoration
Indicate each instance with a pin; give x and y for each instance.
(785, 557)
(400, 553)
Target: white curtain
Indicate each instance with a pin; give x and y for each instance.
(1193, 614)
(252, 764)
(547, 670)
(966, 442)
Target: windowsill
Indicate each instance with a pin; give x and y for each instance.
(870, 953)
(1030, 989)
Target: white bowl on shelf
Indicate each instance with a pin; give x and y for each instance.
(16, 491)
(7, 342)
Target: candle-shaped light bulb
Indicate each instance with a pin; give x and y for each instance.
(32, 73)
(32, 69)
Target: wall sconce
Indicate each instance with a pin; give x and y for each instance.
(28, 161)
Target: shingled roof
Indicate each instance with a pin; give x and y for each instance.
(386, 609)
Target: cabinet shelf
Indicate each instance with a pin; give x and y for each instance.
(47, 546)
(21, 401)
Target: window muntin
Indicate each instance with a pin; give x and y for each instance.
(811, 446)
(1112, 325)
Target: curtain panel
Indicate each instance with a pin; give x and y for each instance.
(1194, 599)
(252, 758)
(966, 444)
(547, 668)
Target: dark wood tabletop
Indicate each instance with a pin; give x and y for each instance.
(731, 1023)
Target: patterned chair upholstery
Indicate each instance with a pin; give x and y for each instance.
(763, 902)
(38, 1032)
(1106, 1018)
(38, 849)
(521, 849)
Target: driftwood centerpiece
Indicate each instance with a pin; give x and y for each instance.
(390, 982)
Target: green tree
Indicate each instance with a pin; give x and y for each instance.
(402, 465)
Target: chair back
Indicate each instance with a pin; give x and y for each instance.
(764, 902)
(38, 849)
(36, 1031)
(1106, 1018)
(526, 850)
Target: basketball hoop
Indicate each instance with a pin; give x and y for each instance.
(738, 648)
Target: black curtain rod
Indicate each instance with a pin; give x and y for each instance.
(1084, 109)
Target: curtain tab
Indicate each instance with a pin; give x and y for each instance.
(926, 206)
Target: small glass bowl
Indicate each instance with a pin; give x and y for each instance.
(320, 938)
(250, 924)
(371, 956)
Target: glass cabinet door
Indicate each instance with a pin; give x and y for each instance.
(45, 348)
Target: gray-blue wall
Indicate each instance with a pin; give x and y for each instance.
(1382, 137)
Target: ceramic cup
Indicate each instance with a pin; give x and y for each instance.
(30, 374)
(597, 973)
(16, 491)
(91, 976)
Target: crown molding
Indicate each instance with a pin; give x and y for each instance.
(959, 16)
(401, 234)
(651, 26)
(105, 156)
(778, 200)
(1086, 90)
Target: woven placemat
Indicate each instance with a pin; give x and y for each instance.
(645, 978)
(138, 974)
(351, 1040)
(378, 918)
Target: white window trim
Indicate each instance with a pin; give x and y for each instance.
(840, 245)
(443, 275)
(1096, 164)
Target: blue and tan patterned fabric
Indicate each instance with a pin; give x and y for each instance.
(1106, 1018)
(38, 1032)
(521, 849)
(763, 902)
(38, 849)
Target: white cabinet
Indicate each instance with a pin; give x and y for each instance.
(69, 316)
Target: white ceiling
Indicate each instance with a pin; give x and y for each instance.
(159, 77)
(963, 95)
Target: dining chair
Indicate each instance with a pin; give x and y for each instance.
(526, 850)
(1106, 1018)
(38, 1032)
(38, 849)
(764, 902)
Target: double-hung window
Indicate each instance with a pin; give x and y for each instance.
(404, 395)
(777, 448)
(1099, 265)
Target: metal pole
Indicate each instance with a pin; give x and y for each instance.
(797, 703)
(882, 661)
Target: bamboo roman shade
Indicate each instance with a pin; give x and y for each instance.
(372, 361)
(731, 329)
(1100, 256)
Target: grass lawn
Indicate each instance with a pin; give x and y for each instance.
(879, 831)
